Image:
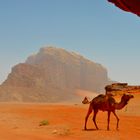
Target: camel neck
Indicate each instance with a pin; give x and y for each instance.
(120, 105)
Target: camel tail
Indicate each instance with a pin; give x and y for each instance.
(86, 101)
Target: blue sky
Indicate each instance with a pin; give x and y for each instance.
(94, 28)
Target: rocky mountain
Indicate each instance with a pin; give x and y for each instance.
(52, 75)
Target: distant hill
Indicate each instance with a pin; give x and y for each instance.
(53, 75)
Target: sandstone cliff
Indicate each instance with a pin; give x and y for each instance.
(121, 88)
(51, 75)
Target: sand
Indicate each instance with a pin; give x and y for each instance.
(20, 121)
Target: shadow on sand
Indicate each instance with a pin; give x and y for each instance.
(91, 129)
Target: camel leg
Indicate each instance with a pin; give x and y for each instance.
(94, 118)
(117, 120)
(86, 119)
(108, 120)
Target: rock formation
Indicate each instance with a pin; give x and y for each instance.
(52, 75)
(121, 88)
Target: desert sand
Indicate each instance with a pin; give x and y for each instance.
(21, 121)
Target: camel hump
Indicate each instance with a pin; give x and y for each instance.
(99, 98)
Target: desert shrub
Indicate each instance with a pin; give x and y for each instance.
(44, 122)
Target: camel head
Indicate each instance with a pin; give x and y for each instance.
(85, 101)
(126, 97)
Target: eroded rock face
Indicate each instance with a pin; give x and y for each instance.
(53, 74)
(121, 88)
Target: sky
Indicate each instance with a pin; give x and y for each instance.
(96, 29)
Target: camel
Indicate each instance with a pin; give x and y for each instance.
(105, 103)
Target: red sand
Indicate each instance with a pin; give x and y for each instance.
(66, 122)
